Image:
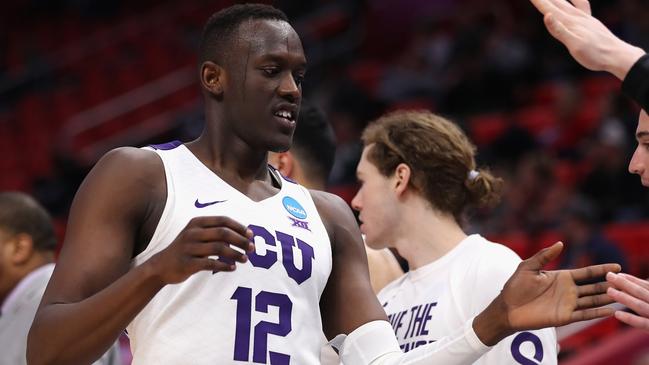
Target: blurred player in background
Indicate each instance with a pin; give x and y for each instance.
(418, 178)
(309, 162)
(595, 47)
(27, 246)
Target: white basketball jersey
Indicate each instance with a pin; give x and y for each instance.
(267, 310)
(431, 302)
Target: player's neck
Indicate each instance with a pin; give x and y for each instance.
(427, 235)
(231, 159)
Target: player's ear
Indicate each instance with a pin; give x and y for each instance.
(402, 175)
(212, 78)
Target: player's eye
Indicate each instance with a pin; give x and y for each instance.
(270, 71)
(299, 78)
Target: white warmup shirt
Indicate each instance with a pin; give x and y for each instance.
(266, 311)
(433, 301)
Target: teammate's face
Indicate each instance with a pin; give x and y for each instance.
(376, 203)
(640, 161)
(263, 91)
(6, 279)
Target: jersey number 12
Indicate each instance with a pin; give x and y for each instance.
(261, 330)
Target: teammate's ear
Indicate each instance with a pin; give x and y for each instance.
(401, 178)
(212, 77)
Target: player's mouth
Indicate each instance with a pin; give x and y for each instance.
(286, 114)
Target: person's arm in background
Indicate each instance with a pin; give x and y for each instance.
(595, 47)
(383, 267)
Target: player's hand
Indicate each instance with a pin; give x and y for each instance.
(592, 44)
(203, 237)
(634, 293)
(533, 298)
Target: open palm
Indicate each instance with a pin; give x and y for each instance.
(534, 298)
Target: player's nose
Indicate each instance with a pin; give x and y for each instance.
(636, 165)
(356, 201)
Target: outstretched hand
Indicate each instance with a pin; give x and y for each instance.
(592, 44)
(537, 299)
(533, 298)
(634, 293)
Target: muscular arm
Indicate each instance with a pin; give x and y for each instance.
(349, 281)
(92, 295)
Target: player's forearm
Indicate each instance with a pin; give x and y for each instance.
(374, 344)
(74, 333)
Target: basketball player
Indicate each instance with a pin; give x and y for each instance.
(418, 178)
(595, 47)
(210, 257)
(309, 162)
(27, 245)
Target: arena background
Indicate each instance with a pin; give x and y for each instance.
(78, 78)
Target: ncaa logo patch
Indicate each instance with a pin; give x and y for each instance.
(294, 208)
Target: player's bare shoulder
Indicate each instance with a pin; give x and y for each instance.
(126, 181)
(337, 218)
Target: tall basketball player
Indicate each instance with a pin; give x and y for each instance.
(210, 257)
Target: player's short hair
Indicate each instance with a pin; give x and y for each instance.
(314, 142)
(440, 156)
(21, 214)
(220, 27)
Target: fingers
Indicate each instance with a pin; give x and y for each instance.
(622, 284)
(594, 301)
(635, 280)
(638, 305)
(583, 5)
(557, 29)
(565, 8)
(588, 314)
(544, 6)
(633, 320)
(592, 289)
(543, 257)
(223, 234)
(593, 272)
(222, 221)
(220, 249)
(214, 265)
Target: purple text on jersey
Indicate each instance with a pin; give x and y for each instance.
(288, 244)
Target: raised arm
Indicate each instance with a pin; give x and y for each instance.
(93, 293)
(531, 299)
(592, 44)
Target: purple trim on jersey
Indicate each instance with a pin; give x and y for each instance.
(282, 176)
(166, 146)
